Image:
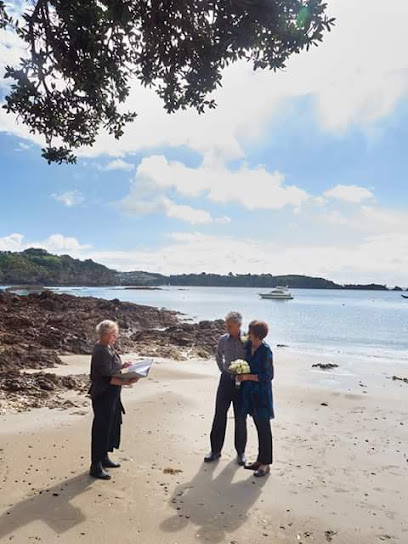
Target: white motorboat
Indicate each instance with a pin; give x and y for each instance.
(279, 293)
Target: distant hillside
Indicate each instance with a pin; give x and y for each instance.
(38, 267)
(252, 280)
(140, 278)
(371, 287)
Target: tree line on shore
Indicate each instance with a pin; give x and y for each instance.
(36, 266)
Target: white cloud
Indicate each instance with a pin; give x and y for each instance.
(11, 49)
(352, 79)
(186, 213)
(224, 220)
(12, 242)
(119, 164)
(146, 196)
(138, 203)
(252, 188)
(197, 252)
(349, 193)
(56, 243)
(70, 198)
(370, 220)
(370, 244)
(361, 79)
(23, 146)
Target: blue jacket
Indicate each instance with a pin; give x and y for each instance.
(256, 397)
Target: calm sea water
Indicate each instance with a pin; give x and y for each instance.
(368, 325)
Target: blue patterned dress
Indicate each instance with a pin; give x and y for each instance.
(256, 397)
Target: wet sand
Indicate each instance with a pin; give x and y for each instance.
(339, 475)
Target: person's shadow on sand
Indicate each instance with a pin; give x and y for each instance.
(217, 506)
(52, 506)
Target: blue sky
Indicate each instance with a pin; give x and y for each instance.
(299, 172)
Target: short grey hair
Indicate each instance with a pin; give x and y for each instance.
(234, 316)
(106, 326)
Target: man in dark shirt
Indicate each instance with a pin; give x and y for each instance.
(231, 346)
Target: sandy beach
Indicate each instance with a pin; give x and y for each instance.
(339, 475)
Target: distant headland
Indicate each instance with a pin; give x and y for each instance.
(36, 267)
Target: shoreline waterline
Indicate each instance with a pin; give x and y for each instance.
(361, 326)
(365, 326)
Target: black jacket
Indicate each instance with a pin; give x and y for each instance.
(105, 363)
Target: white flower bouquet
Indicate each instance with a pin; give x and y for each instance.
(239, 367)
(244, 339)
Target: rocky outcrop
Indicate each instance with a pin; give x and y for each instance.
(34, 329)
(37, 328)
(180, 341)
(20, 391)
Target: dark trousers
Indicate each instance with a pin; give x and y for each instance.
(263, 427)
(227, 393)
(106, 423)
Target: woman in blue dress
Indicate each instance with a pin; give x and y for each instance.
(256, 394)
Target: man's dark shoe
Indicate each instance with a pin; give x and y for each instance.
(98, 472)
(260, 473)
(241, 459)
(108, 463)
(211, 457)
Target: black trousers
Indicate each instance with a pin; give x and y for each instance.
(107, 421)
(263, 427)
(227, 393)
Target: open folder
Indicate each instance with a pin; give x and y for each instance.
(136, 370)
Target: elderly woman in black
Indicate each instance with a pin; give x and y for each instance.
(105, 393)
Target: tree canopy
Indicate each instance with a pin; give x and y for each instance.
(83, 55)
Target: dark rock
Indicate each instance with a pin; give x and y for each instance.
(34, 328)
(325, 366)
(23, 390)
(201, 339)
(397, 378)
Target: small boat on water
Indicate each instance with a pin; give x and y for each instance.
(404, 296)
(279, 293)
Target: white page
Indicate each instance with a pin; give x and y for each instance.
(136, 370)
(142, 368)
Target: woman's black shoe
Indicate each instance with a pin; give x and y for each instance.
(253, 466)
(98, 472)
(211, 457)
(108, 463)
(260, 473)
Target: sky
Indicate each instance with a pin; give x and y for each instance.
(299, 172)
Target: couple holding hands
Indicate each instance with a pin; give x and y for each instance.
(250, 394)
